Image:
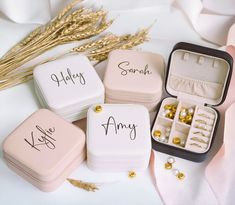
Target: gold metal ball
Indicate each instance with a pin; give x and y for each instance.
(157, 133)
(167, 107)
(131, 174)
(184, 110)
(98, 108)
(168, 165)
(170, 115)
(183, 120)
(176, 140)
(188, 119)
(180, 176)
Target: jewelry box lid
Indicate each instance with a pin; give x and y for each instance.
(198, 73)
(134, 74)
(118, 131)
(44, 145)
(68, 83)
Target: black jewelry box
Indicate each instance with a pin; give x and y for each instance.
(197, 80)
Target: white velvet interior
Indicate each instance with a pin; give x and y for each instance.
(185, 131)
(197, 76)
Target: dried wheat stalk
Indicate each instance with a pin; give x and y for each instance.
(83, 185)
(68, 26)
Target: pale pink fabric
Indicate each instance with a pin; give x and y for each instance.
(220, 172)
(231, 94)
(193, 190)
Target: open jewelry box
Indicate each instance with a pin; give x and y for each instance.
(197, 79)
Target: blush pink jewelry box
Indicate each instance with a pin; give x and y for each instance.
(134, 77)
(44, 149)
(118, 138)
(68, 86)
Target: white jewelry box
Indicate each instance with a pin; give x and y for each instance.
(134, 77)
(68, 86)
(118, 137)
(197, 80)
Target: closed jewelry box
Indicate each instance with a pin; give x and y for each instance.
(44, 149)
(118, 137)
(134, 77)
(197, 81)
(68, 86)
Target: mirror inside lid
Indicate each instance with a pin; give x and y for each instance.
(199, 73)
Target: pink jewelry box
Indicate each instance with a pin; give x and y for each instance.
(197, 80)
(118, 137)
(44, 149)
(134, 77)
(68, 86)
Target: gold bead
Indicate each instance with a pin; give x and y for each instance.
(168, 165)
(157, 133)
(176, 140)
(188, 119)
(183, 120)
(180, 176)
(131, 174)
(184, 110)
(170, 115)
(98, 108)
(167, 107)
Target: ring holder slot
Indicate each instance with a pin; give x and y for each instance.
(196, 146)
(197, 80)
(206, 114)
(201, 133)
(203, 120)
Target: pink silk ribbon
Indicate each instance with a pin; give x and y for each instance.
(220, 172)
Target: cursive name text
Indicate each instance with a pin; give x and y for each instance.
(68, 77)
(125, 69)
(111, 123)
(41, 137)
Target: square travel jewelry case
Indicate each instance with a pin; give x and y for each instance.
(134, 77)
(68, 86)
(118, 137)
(197, 80)
(44, 149)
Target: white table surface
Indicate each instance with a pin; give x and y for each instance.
(19, 102)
